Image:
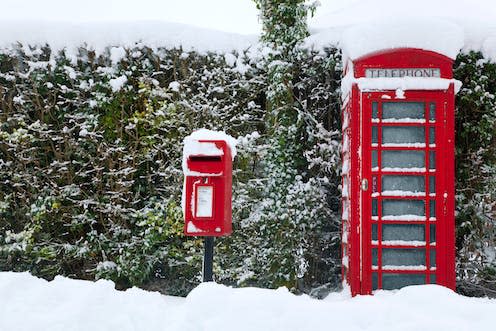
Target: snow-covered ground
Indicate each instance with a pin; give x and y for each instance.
(29, 303)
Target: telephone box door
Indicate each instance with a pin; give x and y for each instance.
(407, 190)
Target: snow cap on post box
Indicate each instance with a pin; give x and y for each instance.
(207, 192)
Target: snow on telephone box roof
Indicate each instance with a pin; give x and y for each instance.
(444, 26)
(439, 36)
(434, 35)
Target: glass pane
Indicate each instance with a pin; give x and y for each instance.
(374, 135)
(374, 256)
(432, 184)
(403, 183)
(433, 257)
(396, 281)
(403, 257)
(374, 110)
(403, 134)
(433, 233)
(432, 208)
(374, 232)
(433, 279)
(374, 159)
(374, 207)
(403, 207)
(432, 135)
(432, 160)
(432, 111)
(403, 159)
(407, 232)
(375, 281)
(403, 110)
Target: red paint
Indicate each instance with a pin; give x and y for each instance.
(211, 173)
(359, 272)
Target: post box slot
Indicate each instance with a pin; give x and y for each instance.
(205, 158)
(207, 164)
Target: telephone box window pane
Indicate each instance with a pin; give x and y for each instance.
(375, 282)
(403, 207)
(403, 183)
(403, 110)
(374, 159)
(433, 233)
(374, 135)
(374, 207)
(397, 281)
(403, 135)
(403, 257)
(374, 232)
(404, 232)
(374, 256)
(432, 184)
(433, 279)
(374, 110)
(432, 160)
(433, 257)
(432, 208)
(403, 159)
(432, 135)
(432, 111)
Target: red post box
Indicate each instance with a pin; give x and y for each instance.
(207, 192)
(398, 170)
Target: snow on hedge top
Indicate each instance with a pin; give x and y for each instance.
(361, 26)
(435, 35)
(100, 35)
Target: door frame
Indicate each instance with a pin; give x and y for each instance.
(444, 181)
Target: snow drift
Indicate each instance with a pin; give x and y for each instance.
(29, 303)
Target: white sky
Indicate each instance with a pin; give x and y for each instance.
(239, 16)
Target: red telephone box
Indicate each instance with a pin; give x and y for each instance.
(207, 192)
(398, 171)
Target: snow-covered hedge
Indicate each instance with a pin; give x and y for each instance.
(90, 167)
(90, 163)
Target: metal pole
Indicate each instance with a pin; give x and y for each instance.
(208, 259)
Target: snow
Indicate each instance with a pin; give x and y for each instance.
(29, 303)
(226, 15)
(403, 218)
(423, 33)
(399, 193)
(174, 86)
(391, 169)
(118, 83)
(410, 145)
(405, 267)
(191, 228)
(444, 26)
(396, 83)
(400, 243)
(193, 146)
(403, 120)
(100, 35)
(117, 54)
